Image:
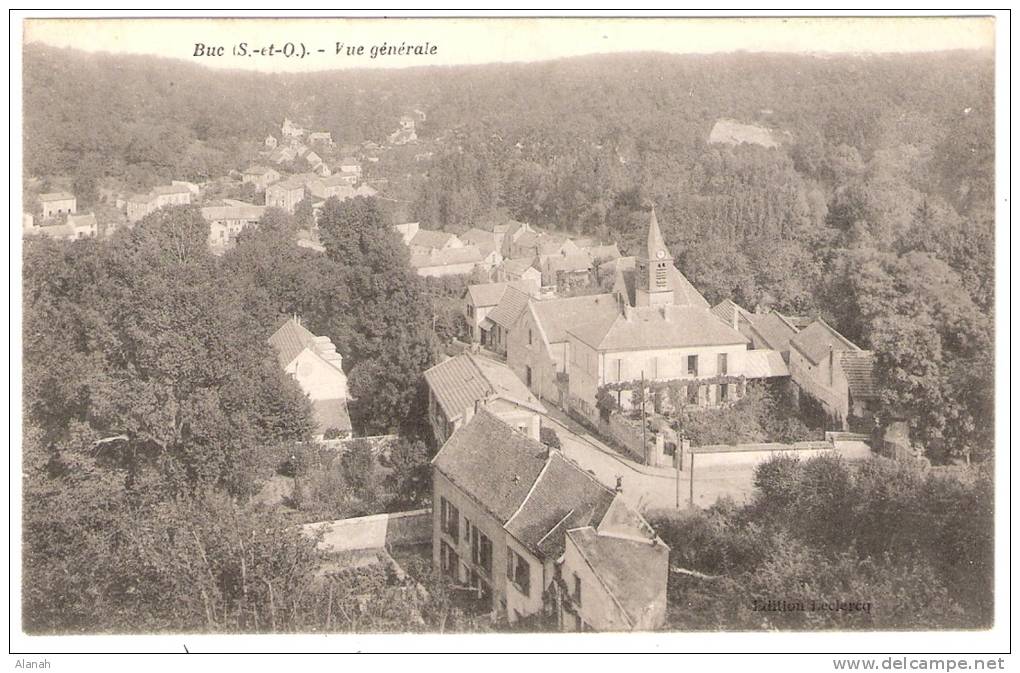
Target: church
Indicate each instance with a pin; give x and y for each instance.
(662, 329)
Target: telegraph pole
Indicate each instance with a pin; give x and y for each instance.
(644, 423)
(691, 477)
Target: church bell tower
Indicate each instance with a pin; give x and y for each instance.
(653, 267)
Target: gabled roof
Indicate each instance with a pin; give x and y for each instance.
(727, 307)
(290, 340)
(556, 316)
(447, 257)
(465, 379)
(684, 293)
(478, 237)
(653, 327)
(510, 308)
(774, 330)
(489, 294)
(428, 238)
(859, 367)
(817, 339)
(563, 497)
(518, 265)
(492, 462)
(630, 570)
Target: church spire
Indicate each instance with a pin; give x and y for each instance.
(653, 267)
(656, 245)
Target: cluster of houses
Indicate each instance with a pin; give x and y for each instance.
(505, 499)
(60, 219)
(512, 251)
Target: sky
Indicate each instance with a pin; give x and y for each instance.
(461, 41)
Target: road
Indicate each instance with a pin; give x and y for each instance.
(654, 488)
(644, 488)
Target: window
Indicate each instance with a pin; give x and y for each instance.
(448, 560)
(518, 571)
(692, 365)
(577, 590)
(481, 550)
(529, 337)
(527, 376)
(723, 364)
(724, 392)
(450, 519)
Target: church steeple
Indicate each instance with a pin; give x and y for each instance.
(654, 262)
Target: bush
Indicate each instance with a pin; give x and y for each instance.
(549, 437)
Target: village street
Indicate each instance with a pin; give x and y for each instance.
(648, 488)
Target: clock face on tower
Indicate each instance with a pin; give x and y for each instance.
(660, 254)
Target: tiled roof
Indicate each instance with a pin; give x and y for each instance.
(290, 340)
(518, 266)
(55, 196)
(815, 341)
(631, 570)
(510, 308)
(762, 363)
(684, 293)
(774, 330)
(427, 238)
(654, 327)
(489, 294)
(563, 497)
(725, 309)
(465, 255)
(859, 367)
(463, 380)
(331, 414)
(492, 462)
(556, 316)
(479, 237)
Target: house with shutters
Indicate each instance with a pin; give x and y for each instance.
(528, 533)
(839, 374)
(497, 325)
(538, 349)
(662, 330)
(318, 370)
(461, 385)
(479, 299)
(57, 204)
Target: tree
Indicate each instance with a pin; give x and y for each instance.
(410, 478)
